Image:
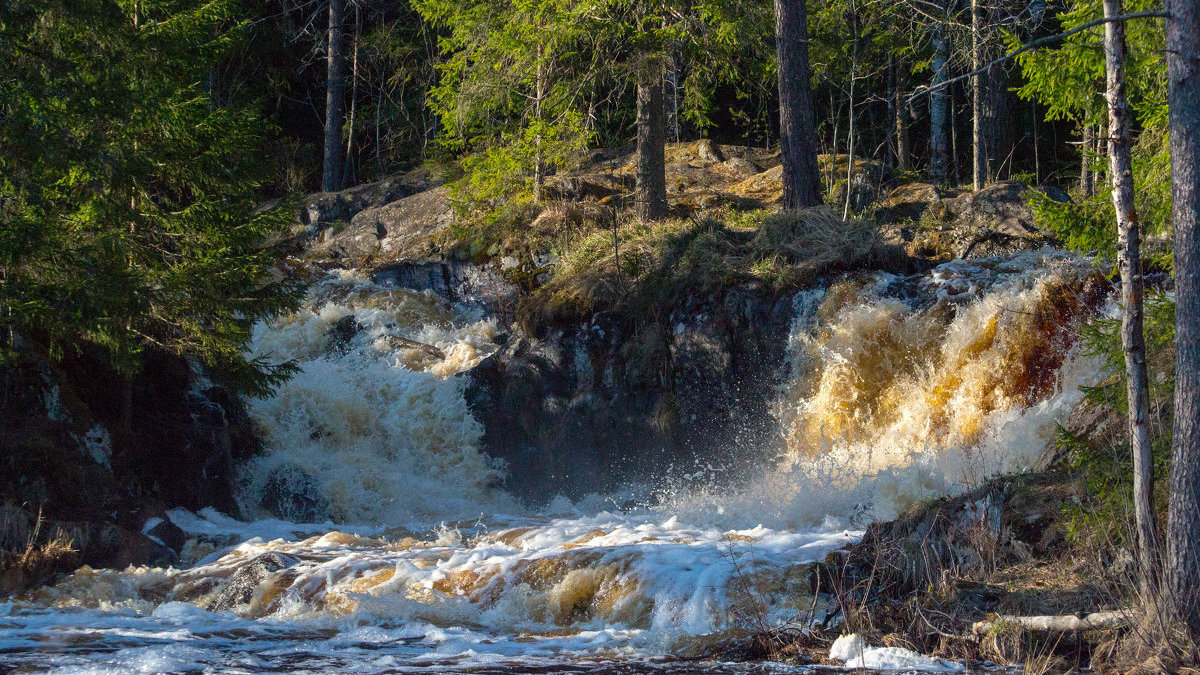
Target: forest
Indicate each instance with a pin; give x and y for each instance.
(631, 333)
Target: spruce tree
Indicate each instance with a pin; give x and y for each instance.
(128, 196)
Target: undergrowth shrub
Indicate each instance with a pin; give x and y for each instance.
(1103, 460)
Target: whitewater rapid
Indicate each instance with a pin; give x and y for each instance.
(413, 559)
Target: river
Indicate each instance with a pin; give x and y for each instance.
(403, 553)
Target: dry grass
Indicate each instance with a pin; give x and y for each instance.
(647, 267)
(31, 553)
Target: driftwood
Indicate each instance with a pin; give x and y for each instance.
(405, 343)
(1067, 623)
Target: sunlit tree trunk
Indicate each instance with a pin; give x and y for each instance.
(798, 139)
(1132, 301)
(979, 172)
(938, 102)
(1183, 522)
(349, 168)
(334, 106)
(539, 97)
(853, 130)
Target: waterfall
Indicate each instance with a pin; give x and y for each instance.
(898, 388)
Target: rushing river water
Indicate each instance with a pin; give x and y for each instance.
(899, 389)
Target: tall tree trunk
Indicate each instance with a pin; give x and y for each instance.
(1130, 263)
(979, 171)
(797, 136)
(852, 132)
(954, 165)
(938, 101)
(892, 112)
(539, 159)
(1086, 183)
(334, 112)
(897, 118)
(1183, 523)
(348, 167)
(651, 142)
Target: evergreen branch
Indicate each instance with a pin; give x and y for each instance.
(1035, 44)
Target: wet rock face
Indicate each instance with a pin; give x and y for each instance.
(72, 450)
(593, 406)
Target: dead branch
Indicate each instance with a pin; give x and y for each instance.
(1066, 623)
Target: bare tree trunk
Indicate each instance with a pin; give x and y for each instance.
(651, 142)
(893, 106)
(539, 160)
(797, 136)
(334, 105)
(903, 147)
(851, 133)
(1183, 523)
(937, 111)
(979, 172)
(1130, 263)
(348, 172)
(1086, 184)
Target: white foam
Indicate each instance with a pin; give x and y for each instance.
(381, 430)
(384, 435)
(853, 652)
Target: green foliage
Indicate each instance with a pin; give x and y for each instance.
(1090, 224)
(128, 196)
(508, 91)
(1069, 80)
(1104, 462)
(525, 83)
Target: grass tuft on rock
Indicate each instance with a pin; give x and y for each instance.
(645, 268)
(31, 553)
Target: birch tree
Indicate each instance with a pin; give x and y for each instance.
(1129, 263)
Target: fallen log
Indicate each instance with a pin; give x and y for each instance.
(405, 343)
(1066, 623)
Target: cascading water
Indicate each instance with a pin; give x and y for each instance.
(900, 388)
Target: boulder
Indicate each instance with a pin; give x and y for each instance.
(909, 202)
(293, 494)
(708, 151)
(402, 230)
(764, 188)
(590, 187)
(742, 167)
(118, 548)
(163, 531)
(325, 208)
(932, 222)
(240, 589)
